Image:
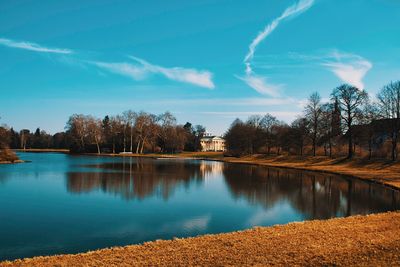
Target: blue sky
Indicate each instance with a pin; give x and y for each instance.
(208, 62)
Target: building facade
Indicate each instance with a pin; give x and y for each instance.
(212, 143)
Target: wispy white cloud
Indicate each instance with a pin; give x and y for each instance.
(200, 78)
(126, 69)
(260, 84)
(33, 47)
(349, 68)
(293, 10)
(255, 81)
(143, 68)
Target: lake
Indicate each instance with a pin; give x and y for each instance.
(60, 203)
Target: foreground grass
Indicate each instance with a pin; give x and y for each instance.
(372, 240)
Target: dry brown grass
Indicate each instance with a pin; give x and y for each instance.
(372, 240)
(8, 156)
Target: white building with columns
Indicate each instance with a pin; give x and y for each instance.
(212, 143)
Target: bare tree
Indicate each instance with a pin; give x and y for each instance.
(94, 131)
(130, 117)
(124, 124)
(146, 129)
(24, 135)
(350, 99)
(298, 133)
(389, 103)
(5, 137)
(116, 127)
(269, 124)
(77, 126)
(255, 120)
(150, 131)
(326, 127)
(167, 131)
(313, 113)
(369, 114)
(139, 126)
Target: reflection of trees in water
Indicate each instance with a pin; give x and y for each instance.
(139, 178)
(317, 195)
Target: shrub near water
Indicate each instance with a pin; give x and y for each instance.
(8, 155)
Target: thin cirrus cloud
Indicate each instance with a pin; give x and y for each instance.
(255, 81)
(33, 47)
(126, 69)
(260, 84)
(140, 71)
(349, 68)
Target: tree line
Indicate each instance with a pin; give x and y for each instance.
(135, 132)
(350, 122)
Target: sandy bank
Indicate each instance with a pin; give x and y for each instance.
(9, 162)
(360, 240)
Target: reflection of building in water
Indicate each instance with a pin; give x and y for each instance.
(139, 178)
(211, 169)
(212, 143)
(316, 195)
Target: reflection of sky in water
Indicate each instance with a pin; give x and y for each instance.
(66, 204)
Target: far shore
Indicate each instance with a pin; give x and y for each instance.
(42, 150)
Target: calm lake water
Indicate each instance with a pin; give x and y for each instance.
(66, 204)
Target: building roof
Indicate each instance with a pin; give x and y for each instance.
(208, 138)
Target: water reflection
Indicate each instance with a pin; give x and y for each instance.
(138, 179)
(316, 195)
